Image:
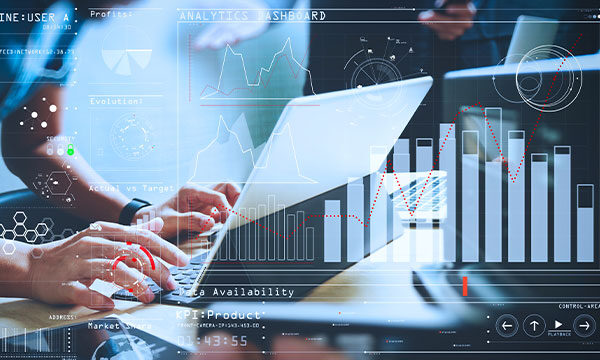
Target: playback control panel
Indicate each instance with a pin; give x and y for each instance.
(557, 326)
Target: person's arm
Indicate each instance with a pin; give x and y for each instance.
(24, 152)
(14, 268)
(60, 272)
(452, 23)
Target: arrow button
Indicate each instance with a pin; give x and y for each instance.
(584, 325)
(507, 325)
(534, 325)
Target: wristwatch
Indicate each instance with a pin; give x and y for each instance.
(130, 209)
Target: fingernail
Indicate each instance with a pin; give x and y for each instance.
(156, 225)
(171, 283)
(147, 296)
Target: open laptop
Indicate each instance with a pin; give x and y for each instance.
(318, 143)
(570, 131)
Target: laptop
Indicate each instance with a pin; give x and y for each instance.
(530, 32)
(318, 144)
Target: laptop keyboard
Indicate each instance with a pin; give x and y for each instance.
(186, 277)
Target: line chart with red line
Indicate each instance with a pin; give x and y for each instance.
(365, 222)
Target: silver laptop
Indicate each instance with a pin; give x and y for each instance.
(321, 141)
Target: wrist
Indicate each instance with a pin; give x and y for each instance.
(18, 269)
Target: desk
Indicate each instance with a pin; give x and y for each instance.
(364, 280)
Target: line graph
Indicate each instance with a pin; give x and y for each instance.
(263, 77)
(411, 209)
(282, 167)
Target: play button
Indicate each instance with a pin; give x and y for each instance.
(557, 324)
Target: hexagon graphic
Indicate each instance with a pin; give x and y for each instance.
(58, 182)
(9, 234)
(9, 247)
(41, 229)
(19, 230)
(30, 236)
(49, 222)
(19, 217)
(67, 232)
(1, 230)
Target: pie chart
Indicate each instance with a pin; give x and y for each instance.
(126, 50)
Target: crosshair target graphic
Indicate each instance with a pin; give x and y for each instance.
(530, 86)
(132, 136)
(133, 259)
(557, 94)
(376, 64)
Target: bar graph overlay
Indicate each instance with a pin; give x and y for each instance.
(480, 197)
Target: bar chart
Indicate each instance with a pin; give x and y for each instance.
(487, 200)
(282, 236)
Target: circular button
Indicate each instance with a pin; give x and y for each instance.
(507, 325)
(534, 325)
(584, 325)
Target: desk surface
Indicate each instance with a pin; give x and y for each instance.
(364, 280)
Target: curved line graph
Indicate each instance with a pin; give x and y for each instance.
(259, 76)
(285, 131)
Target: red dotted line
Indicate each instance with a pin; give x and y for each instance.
(442, 145)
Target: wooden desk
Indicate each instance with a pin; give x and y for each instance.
(365, 280)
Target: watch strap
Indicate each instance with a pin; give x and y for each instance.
(130, 209)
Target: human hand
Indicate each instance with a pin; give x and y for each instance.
(61, 272)
(451, 24)
(194, 208)
(217, 35)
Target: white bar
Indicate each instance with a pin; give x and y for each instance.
(539, 207)
(332, 223)
(300, 238)
(355, 230)
(401, 164)
(310, 243)
(424, 246)
(252, 234)
(470, 197)
(291, 240)
(562, 203)
(516, 196)
(262, 240)
(243, 248)
(281, 229)
(271, 237)
(585, 223)
(493, 211)
(447, 144)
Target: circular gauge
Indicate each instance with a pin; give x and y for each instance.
(132, 137)
(131, 256)
(375, 71)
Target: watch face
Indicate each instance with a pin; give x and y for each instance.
(132, 136)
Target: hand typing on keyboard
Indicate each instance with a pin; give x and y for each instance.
(60, 272)
(194, 208)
